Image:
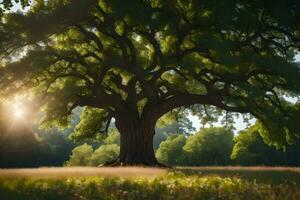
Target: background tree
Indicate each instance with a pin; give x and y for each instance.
(85, 155)
(210, 146)
(108, 151)
(170, 151)
(105, 153)
(57, 147)
(176, 122)
(81, 156)
(158, 138)
(137, 61)
(250, 149)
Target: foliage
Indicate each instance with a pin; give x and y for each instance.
(80, 156)
(140, 60)
(90, 125)
(170, 151)
(85, 155)
(171, 186)
(250, 149)
(104, 154)
(113, 137)
(159, 137)
(8, 4)
(210, 146)
(176, 123)
(57, 149)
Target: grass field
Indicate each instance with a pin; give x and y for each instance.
(268, 175)
(150, 183)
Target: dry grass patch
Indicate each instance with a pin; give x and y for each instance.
(57, 172)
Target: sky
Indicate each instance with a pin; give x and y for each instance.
(238, 125)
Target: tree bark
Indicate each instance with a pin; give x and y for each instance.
(136, 146)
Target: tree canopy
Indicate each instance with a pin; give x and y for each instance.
(85, 155)
(170, 151)
(210, 146)
(250, 149)
(137, 61)
(8, 4)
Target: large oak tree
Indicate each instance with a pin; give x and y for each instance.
(137, 60)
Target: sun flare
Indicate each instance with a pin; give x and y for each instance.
(19, 113)
(18, 109)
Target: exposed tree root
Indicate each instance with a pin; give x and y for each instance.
(119, 163)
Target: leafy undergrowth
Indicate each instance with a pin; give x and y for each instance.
(173, 185)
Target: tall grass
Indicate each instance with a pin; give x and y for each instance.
(267, 175)
(172, 185)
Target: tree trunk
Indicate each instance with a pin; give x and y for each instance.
(136, 146)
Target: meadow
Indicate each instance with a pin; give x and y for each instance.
(150, 183)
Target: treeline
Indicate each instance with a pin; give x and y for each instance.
(210, 146)
(27, 148)
(23, 145)
(218, 146)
